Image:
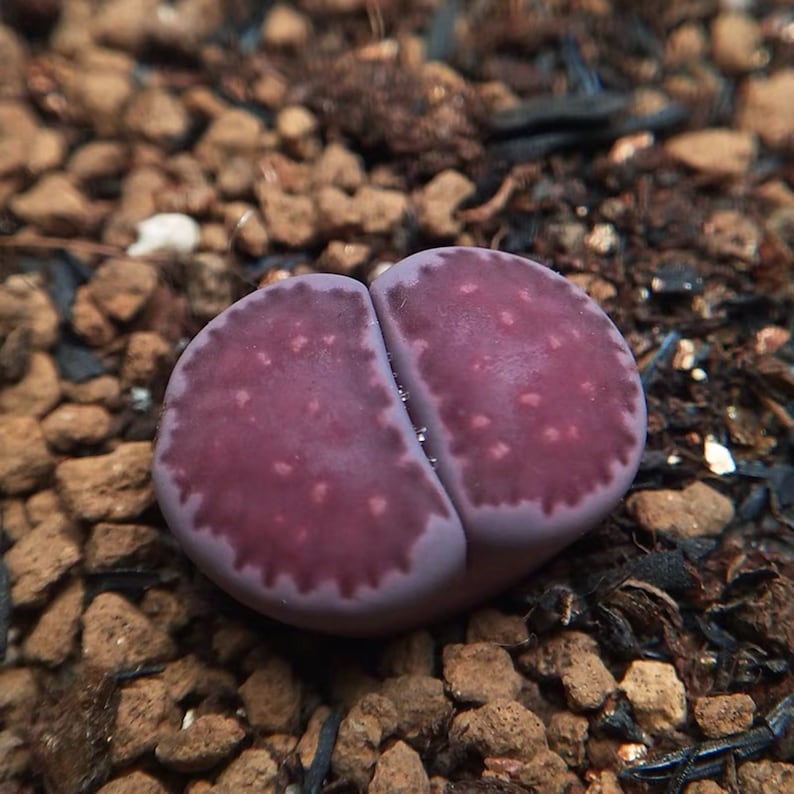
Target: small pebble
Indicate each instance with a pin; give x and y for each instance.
(656, 694)
(16, 521)
(47, 152)
(23, 303)
(284, 27)
(766, 777)
(53, 639)
(336, 213)
(42, 505)
(272, 696)
(245, 229)
(587, 682)
(54, 205)
(605, 781)
(167, 231)
(158, 116)
(366, 725)
(190, 678)
(343, 257)
(135, 782)
(25, 462)
(696, 511)
(36, 393)
(378, 210)
(731, 233)
(718, 457)
(736, 43)
(551, 657)
(88, 322)
(98, 160)
(548, 772)
(71, 425)
(209, 290)
(146, 714)
(113, 487)
(765, 108)
(118, 636)
(99, 97)
(202, 745)
(119, 545)
(122, 287)
(295, 126)
(705, 787)
(234, 133)
(720, 152)
(438, 201)
(499, 728)
(40, 558)
(253, 770)
(399, 770)
(104, 390)
(422, 706)
(18, 128)
(722, 715)
(289, 219)
(480, 672)
(18, 695)
(339, 167)
(567, 734)
(147, 356)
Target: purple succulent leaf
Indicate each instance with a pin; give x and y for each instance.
(284, 439)
(530, 396)
(289, 469)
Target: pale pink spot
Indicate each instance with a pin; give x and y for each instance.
(329, 339)
(479, 422)
(297, 343)
(299, 536)
(498, 451)
(313, 407)
(282, 468)
(529, 398)
(265, 359)
(524, 295)
(468, 288)
(319, 492)
(587, 387)
(377, 506)
(480, 363)
(551, 435)
(242, 397)
(420, 345)
(573, 433)
(507, 318)
(554, 342)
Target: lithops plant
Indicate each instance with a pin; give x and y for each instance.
(334, 485)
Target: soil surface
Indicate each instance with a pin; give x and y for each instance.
(644, 150)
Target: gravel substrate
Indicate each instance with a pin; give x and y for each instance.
(160, 160)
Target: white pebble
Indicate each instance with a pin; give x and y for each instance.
(167, 231)
(718, 457)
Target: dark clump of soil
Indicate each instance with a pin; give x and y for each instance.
(643, 150)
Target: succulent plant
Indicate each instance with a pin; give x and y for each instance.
(334, 485)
